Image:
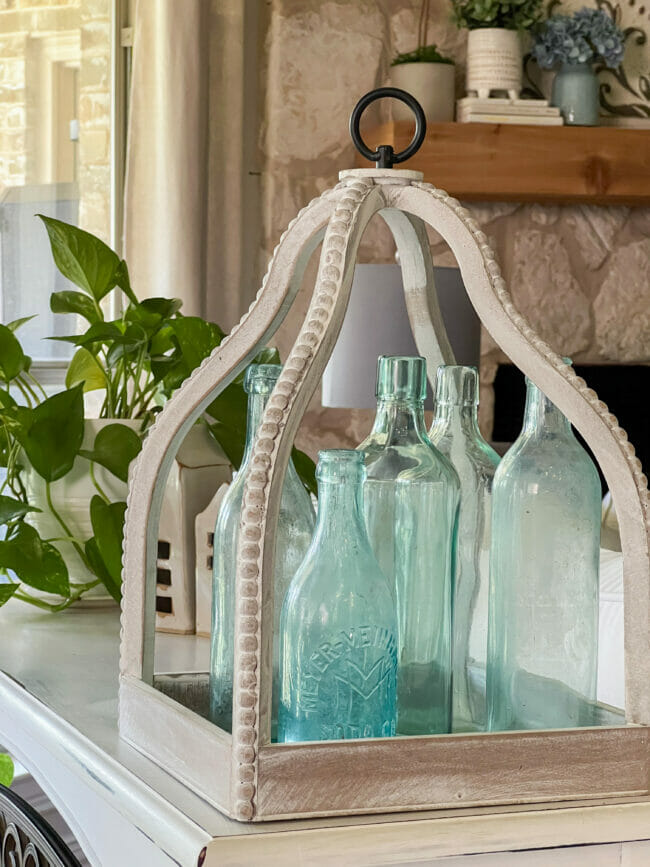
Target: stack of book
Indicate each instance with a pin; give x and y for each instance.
(533, 112)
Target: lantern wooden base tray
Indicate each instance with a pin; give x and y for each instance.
(332, 778)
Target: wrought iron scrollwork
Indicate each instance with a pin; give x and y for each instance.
(638, 86)
(27, 840)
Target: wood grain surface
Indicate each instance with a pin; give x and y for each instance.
(418, 773)
(481, 161)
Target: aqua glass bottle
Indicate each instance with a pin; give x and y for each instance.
(456, 434)
(411, 505)
(295, 527)
(338, 627)
(543, 630)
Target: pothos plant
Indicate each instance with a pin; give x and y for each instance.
(137, 361)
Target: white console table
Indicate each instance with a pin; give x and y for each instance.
(58, 717)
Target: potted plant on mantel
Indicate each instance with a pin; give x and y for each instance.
(494, 52)
(575, 43)
(62, 501)
(427, 75)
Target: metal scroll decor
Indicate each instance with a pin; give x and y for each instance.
(624, 92)
(27, 840)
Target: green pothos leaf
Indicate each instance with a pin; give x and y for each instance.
(98, 566)
(11, 509)
(51, 433)
(7, 590)
(34, 561)
(116, 445)
(108, 526)
(83, 258)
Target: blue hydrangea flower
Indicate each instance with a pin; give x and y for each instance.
(587, 35)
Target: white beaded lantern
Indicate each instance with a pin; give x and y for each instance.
(244, 774)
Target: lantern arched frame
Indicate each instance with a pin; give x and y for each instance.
(242, 773)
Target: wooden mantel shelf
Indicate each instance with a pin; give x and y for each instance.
(499, 162)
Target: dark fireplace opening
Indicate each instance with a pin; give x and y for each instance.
(622, 387)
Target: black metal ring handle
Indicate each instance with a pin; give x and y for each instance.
(384, 156)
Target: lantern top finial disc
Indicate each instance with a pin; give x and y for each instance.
(384, 156)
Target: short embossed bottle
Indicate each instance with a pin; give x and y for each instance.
(411, 504)
(338, 657)
(295, 527)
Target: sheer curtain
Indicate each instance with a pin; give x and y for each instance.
(191, 227)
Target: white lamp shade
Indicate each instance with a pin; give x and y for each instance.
(376, 323)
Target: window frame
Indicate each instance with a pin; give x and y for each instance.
(51, 373)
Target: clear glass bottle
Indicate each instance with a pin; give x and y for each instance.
(295, 528)
(543, 631)
(455, 432)
(411, 504)
(338, 627)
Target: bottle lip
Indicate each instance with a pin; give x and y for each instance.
(457, 385)
(401, 377)
(337, 464)
(261, 378)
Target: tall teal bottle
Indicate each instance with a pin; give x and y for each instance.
(456, 434)
(543, 630)
(295, 527)
(411, 503)
(338, 628)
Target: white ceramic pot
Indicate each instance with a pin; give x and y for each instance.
(71, 496)
(198, 471)
(494, 62)
(432, 84)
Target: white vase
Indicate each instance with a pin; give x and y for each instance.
(432, 84)
(494, 62)
(71, 496)
(200, 468)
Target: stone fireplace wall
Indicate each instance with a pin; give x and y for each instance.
(580, 274)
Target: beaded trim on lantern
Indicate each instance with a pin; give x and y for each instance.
(134, 475)
(248, 653)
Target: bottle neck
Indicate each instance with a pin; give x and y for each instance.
(400, 421)
(459, 418)
(340, 511)
(541, 416)
(256, 405)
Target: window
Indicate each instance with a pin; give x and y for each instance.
(57, 102)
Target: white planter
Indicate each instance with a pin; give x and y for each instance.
(71, 496)
(432, 84)
(494, 62)
(200, 468)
